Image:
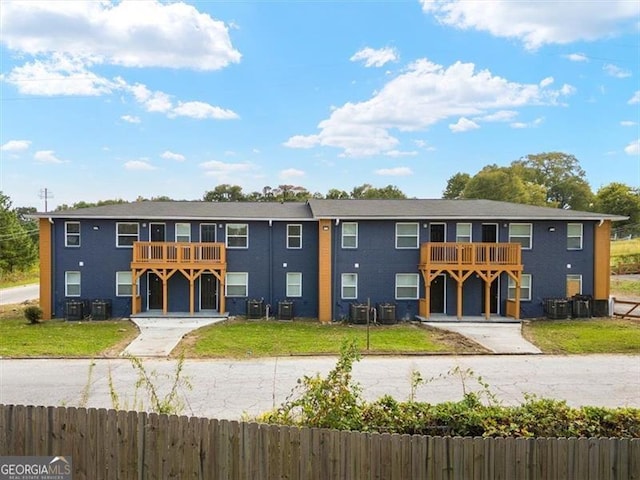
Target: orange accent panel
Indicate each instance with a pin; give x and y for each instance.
(45, 268)
(601, 261)
(324, 271)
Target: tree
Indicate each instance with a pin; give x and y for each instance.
(503, 184)
(620, 199)
(17, 250)
(335, 194)
(224, 193)
(561, 176)
(367, 192)
(456, 185)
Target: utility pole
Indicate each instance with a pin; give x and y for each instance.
(46, 195)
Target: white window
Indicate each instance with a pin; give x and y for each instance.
(237, 235)
(349, 286)
(521, 233)
(574, 285)
(72, 284)
(126, 234)
(525, 287)
(406, 235)
(294, 236)
(463, 232)
(574, 236)
(183, 232)
(72, 234)
(350, 235)
(294, 284)
(407, 286)
(237, 284)
(124, 286)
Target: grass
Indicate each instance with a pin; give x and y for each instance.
(625, 247)
(621, 288)
(584, 336)
(16, 279)
(242, 339)
(59, 338)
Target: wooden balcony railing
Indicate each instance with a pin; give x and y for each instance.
(163, 254)
(470, 254)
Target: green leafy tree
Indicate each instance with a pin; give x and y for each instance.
(17, 249)
(456, 185)
(368, 192)
(224, 193)
(503, 184)
(620, 199)
(335, 194)
(562, 177)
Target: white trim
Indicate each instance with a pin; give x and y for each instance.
(417, 286)
(164, 226)
(497, 225)
(458, 236)
(246, 284)
(217, 290)
(578, 277)
(511, 285)
(290, 236)
(119, 283)
(74, 234)
(576, 236)
(296, 284)
(175, 233)
(417, 236)
(354, 235)
(67, 284)
(354, 286)
(127, 235)
(530, 236)
(226, 235)
(444, 224)
(215, 229)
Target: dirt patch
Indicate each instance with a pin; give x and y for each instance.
(456, 342)
(16, 310)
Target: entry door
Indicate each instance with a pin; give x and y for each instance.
(157, 232)
(437, 232)
(208, 292)
(155, 291)
(436, 298)
(208, 232)
(489, 232)
(493, 296)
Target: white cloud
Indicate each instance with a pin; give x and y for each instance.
(535, 123)
(226, 172)
(394, 172)
(545, 82)
(127, 33)
(635, 98)
(463, 125)
(130, 118)
(628, 123)
(169, 155)
(375, 57)
(633, 148)
(615, 71)
(401, 153)
(47, 156)
(15, 146)
(538, 23)
(291, 173)
(151, 101)
(138, 165)
(577, 57)
(201, 111)
(423, 95)
(499, 116)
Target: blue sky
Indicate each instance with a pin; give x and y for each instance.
(119, 99)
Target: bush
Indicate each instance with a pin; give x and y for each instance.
(33, 314)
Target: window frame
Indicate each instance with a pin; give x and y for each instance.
(291, 285)
(177, 235)
(581, 236)
(529, 236)
(245, 284)
(120, 284)
(417, 286)
(576, 276)
(127, 235)
(68, 234)
(228, 236)
(344, 285)
(459, 236)
(346, 235)
(402, 236)
(67, 284)
(511, 287)
(291, 236)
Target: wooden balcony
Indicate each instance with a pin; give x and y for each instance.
(147, 255)
(471, 256)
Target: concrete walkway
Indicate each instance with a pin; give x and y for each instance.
(160, 335)
(496, 337)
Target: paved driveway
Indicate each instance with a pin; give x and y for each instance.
(229, 389)
(19, 294)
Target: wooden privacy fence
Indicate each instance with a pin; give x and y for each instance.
(109, 444)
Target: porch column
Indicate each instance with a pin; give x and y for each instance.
(192, 294)
(221, 297)
(518, 283)
(459, 299)
(487, 298)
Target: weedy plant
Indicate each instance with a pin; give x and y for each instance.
(33, 314)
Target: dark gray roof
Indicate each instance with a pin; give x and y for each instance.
(438, 209)
(191, 210)
(334, 209)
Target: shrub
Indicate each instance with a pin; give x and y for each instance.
(33, 314)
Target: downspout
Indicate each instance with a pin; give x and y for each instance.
(270, 262)
(334, 282)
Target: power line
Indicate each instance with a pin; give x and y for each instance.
(46, 195)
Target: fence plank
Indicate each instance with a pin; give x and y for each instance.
(634, 459)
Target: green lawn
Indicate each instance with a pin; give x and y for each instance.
(59, 338)
(584, 336)
(259, 338)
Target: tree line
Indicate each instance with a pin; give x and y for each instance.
(550, 179)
